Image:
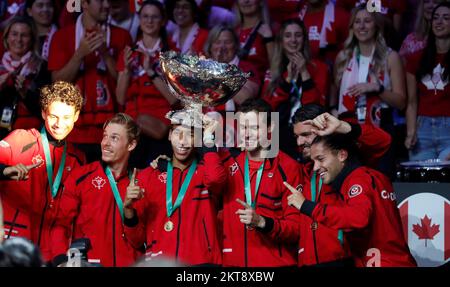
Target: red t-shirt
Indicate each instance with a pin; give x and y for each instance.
(335, 37)
(142, 95)
(281, 10)
(433, 92)
(258, 52)
(97, 87)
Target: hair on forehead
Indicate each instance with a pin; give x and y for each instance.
(131, 127)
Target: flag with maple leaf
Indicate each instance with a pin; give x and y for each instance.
(426, 226)
(425, 230)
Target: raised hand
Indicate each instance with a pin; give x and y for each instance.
(134, 193)
(249, 217)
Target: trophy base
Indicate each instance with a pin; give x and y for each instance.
(191, 115)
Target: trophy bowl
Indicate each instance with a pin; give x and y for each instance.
(198, 81)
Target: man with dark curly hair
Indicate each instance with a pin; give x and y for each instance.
(35, 162)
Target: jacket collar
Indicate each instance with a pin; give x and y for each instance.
(349, 167)
(127, 174)
(53, 141)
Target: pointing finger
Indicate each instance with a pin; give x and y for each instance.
(290, 187)
(133, 178)
(244, 204)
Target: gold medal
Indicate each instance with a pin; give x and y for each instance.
(168, 226)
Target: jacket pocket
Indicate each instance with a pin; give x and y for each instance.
(206, 235)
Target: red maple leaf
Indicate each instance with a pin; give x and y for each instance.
(425, 230)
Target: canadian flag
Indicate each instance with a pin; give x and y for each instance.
(426, 227)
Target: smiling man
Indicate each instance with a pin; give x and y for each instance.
(368, 214)
(29, 207)
(177, 218)
(92, 199)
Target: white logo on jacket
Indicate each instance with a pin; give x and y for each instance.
(36, 159)
(388, 195)
(163, 177)
(355, 190)
(234, 168)
(98, 182)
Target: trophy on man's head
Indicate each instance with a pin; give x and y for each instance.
(199, 82)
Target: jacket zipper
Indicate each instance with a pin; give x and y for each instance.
(179, 219)
(315, 247)
(13, 223)
(279, 250)
(245, 229)
(114, 234)
(206, 235)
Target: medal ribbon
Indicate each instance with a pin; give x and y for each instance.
(54, 185)
(171, 208)
(115, 190)
(247, 187)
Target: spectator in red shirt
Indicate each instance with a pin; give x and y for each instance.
(43, 14)
(428, 111)
(140, 87)
(188, 36)
(223, 46)
(253, 27)
(22, 73)
(294, 79)
(86, 54)
(327, 28)
(416, 40)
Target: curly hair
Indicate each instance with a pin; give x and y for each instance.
(62, 92)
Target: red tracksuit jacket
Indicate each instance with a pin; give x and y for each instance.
(193, 240)
(321, 246)
(275, 245)
(369, 217)
(88, 210)
(29, 209)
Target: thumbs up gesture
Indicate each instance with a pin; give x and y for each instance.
(134, 193)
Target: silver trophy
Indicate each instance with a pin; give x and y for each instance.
(199, 82)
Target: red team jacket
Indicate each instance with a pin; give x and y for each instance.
(88, 210)
(193, 240)
(369, 217)
(275, 245)
(29, 209)
(322, 246)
